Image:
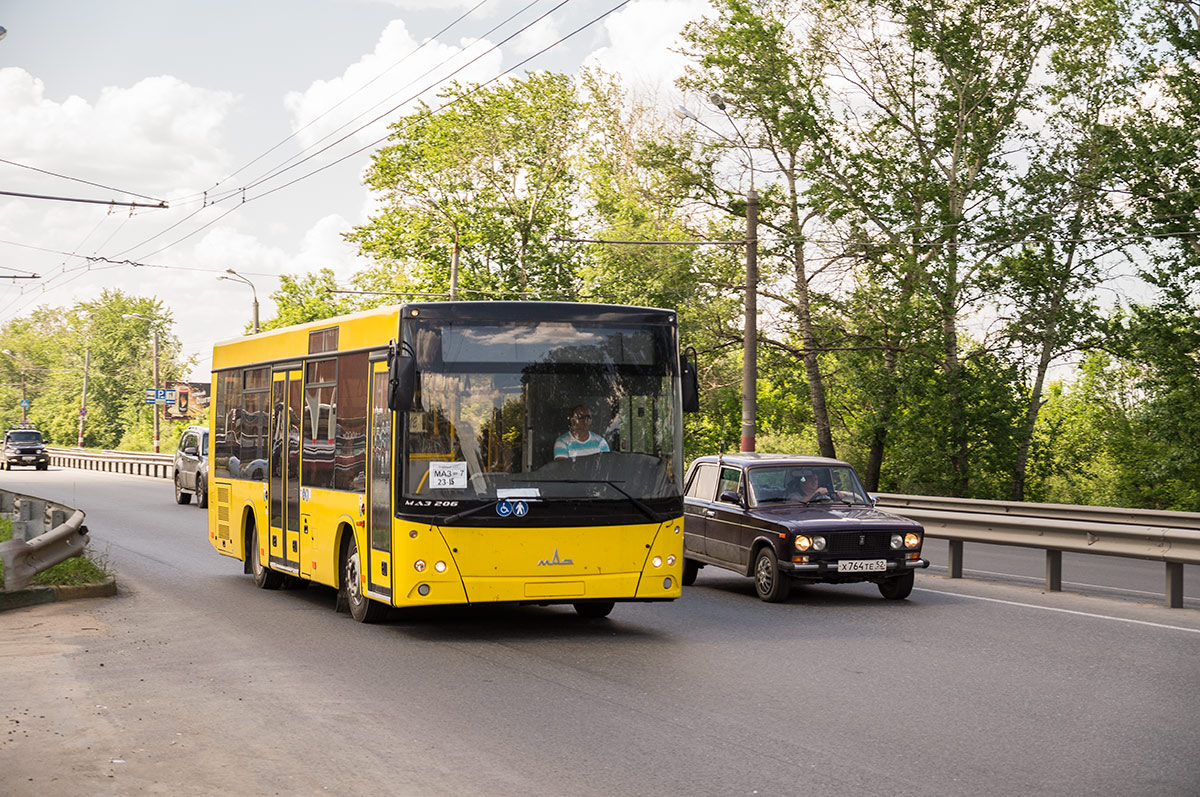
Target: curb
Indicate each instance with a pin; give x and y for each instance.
(35, 596)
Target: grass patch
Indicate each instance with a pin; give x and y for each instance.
(85, 569)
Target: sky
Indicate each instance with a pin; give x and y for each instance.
(193, 104)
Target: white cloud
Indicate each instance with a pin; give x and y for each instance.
(644, 39)
(392, 75)
(541, 34)
(157, 137)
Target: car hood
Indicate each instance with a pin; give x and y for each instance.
(835, 517)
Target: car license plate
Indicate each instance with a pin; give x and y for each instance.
(862, 565)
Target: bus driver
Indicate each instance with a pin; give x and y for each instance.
(579, 440)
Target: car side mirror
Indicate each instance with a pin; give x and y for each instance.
(191, 451)
(731, 497)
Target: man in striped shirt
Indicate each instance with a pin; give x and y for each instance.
(579, 441)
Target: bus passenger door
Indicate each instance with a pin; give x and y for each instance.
(284, 481)
(378, 563)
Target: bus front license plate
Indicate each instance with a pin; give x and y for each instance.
(862, 566)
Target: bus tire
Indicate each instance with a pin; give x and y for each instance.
(594, 610)
(264, 577)
(362, 608)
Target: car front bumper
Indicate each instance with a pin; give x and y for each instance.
(830, 567)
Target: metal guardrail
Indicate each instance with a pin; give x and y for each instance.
(130, 462)
(1169, 537)
(44, 534)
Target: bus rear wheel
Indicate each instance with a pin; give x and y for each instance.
(362, 608)
(264, 577)
(594, 610)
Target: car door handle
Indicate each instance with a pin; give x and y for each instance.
(710, 513)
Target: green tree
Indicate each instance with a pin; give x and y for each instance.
(309, 297)
(481, 186)
(918, 175)
(769, 76)
(117, 353)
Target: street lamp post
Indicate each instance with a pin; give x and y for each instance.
(154, 330)
(750, 322)
(236, 277)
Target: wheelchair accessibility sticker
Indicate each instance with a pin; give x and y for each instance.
(512, 508)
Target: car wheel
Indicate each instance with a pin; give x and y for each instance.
(201, 490)
(771, 585)
(690, 569)
(594, 610)
(43, 466)
(362, 608)
(180, 496)
(897, 588)
(264, 577)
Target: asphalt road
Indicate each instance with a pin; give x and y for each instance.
(191, 681)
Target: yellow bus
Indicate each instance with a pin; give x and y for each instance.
(440, 453)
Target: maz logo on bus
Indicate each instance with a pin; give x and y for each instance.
(556, 560)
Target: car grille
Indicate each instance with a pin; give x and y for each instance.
(859, 544)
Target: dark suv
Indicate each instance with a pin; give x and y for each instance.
(784, 518)
(24, 446)
(191, 466)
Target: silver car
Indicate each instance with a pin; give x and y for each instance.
(191, 466)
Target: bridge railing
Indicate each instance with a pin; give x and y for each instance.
(1172, 538)
(130, 462)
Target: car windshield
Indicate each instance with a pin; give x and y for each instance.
(805, 484)
(25, 436)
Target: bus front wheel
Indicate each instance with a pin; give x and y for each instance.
(594, 610)
(362, 608)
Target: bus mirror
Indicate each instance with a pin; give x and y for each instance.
(402, 383)
(689, 380)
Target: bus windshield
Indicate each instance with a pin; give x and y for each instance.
(543, 410)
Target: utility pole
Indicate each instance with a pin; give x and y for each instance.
(87, 360)
(154, 330)
(750, 331)
(156, 391)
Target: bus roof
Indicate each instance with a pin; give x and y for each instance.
(372, 329)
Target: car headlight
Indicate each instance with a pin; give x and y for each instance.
(897, 542)
(912, 540)
(818, 543)
(803, 543)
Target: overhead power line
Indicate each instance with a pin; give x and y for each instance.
(160, 205)
(78, 180)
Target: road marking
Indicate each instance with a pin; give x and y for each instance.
(1063, 611)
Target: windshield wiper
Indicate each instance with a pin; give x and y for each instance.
(457, 516)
